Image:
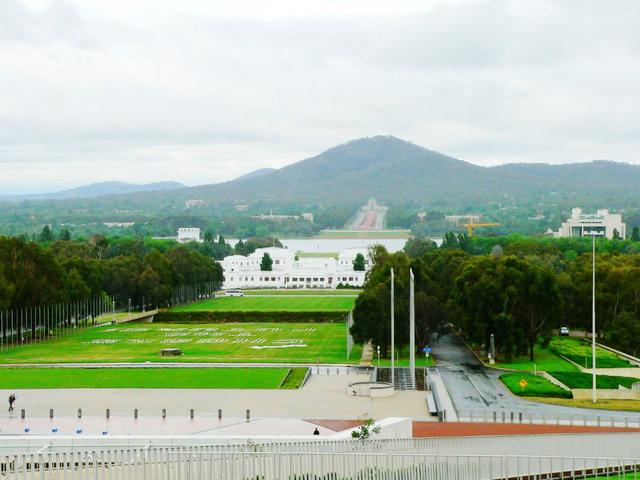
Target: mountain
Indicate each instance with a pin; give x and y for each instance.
(96, 190)
(394, 171)
(255, 173)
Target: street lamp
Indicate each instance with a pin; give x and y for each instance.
(129, 306)
(393, 366)
(593, 234)
(378, 350)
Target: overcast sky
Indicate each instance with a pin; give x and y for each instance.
(201, 92)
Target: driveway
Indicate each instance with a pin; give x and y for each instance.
(476, 389)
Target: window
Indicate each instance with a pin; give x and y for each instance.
(315, 279)
(277, 262)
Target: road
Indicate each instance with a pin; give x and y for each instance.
(474, 387)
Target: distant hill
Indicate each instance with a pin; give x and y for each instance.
(394, 171)
(255, 173)
(96, 190)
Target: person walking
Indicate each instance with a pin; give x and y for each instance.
(12, 400)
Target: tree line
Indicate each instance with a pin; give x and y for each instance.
(518, 288)
(35, 274)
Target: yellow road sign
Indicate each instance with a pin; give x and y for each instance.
(523, 383)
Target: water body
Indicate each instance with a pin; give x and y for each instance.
(338, 244)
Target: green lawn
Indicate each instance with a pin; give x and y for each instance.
(545, 360)
(585, 380)
(20, 378)
(220, 342)
(537, 386)
(579, 352)
(272, 303)
(403, 359)
(268, 291)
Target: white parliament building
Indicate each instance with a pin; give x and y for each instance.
(287, 272)
(582, 224)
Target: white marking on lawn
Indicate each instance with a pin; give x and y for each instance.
(260, 347)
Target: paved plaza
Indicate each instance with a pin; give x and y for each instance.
(323, 397)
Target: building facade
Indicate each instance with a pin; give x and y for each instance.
(188, 234)
(582, 224)
(288, 271)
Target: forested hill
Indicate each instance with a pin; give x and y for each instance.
(395, 172)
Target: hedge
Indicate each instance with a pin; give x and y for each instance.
(254, 317)
(585, 380)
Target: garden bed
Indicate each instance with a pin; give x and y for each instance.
(579, 352)
(537, 386)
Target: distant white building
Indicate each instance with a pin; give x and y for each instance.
(194, 202)
(287, 272)
(188, 234)
(581, 224)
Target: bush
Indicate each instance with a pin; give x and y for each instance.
(537, 386)
(579, 351)
(255, 317)
(584, 380)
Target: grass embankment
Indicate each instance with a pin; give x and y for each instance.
(348, 292)
(537, 386)
(294, 378)
(545, 360)
(620, 405)
(585, 380)
(579, 352)
(273, 303)
(196, 378)
(220, 342)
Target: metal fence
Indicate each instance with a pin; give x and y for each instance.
(579, 419)
(166, 463)
(34, 324)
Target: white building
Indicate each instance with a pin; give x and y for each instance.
(581, 224)
(287, 272)
(190, 234)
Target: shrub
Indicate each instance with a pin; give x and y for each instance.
(579, 351)
(537, 386)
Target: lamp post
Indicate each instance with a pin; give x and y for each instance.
(593, 234)
(393, 365)
(378, 350)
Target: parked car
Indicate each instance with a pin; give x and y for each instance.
(564, 331)
(235, 293)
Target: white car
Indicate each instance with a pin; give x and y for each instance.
(235, 293)
(564, 331)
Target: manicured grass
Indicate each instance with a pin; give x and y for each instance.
(545, 360)
(314, 292)
(620, 405)
(579, 352)
(403, 359)
(317, 254)
(273, 303)
(21, 378)
(537, 386)
(294, 378)
(220, 342)
(584, 380)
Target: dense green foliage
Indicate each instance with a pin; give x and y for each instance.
(579, 351)
(517, 288)
(33, 274)
(585, 380)
(537, 386)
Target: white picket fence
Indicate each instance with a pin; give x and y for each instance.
(200, 463)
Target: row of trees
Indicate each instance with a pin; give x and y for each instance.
(33, 274)
(519, 293)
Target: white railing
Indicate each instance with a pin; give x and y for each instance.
(158, 463)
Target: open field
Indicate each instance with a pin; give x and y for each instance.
(274, 303)
(545, 360)
(197, 378)
(313, 292)
(579, 352)
(537, 386)
(220, 342)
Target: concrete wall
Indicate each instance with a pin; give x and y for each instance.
(605, 394)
